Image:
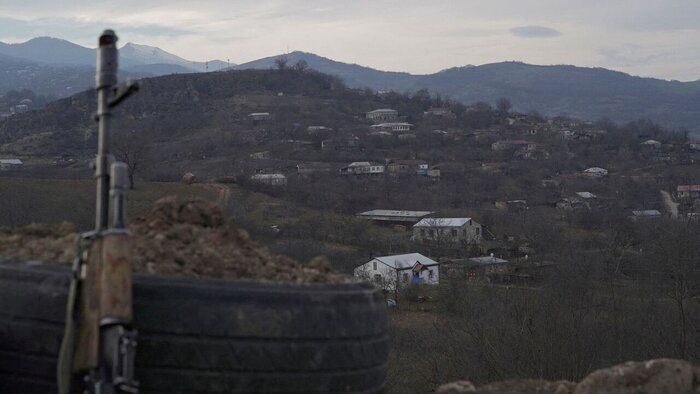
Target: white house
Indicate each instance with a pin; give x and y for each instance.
(403, 269)
(258, 116)
(651, 143)
(448, 230)
(395, 127)
(363, 168)
(595, 172)
(7, 164)
(383, 115)
(270, 179)
(645, 214)
(586, 195)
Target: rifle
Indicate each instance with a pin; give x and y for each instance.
(99, 343)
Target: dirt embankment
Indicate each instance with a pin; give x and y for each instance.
(660, 376)
(180, 238)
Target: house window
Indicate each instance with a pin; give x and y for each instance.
(478, 230)
(404, 277)
(377, 279)
(422, 232)
(430, 274)
(454, 232)
(374, 265)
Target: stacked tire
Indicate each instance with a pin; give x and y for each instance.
(207, 335)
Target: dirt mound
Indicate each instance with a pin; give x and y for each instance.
(181, 238)
(647, 377)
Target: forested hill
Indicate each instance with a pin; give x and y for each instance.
(181, 108)
(588, 93)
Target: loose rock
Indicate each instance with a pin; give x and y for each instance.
(660, 376)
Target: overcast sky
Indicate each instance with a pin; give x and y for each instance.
(657, 38)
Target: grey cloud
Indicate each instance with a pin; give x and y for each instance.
(534, 32)
(76, 29)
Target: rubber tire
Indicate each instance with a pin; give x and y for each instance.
(207, 335)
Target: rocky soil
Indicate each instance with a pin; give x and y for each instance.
(181, 238)
(660, 376)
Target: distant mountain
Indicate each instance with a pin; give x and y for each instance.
(51, 66)
(50, 50)
(588, 93)
(144, 54)
(352, 74)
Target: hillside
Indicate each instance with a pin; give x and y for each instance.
(59, 80)
(581, 262)
(588, 93)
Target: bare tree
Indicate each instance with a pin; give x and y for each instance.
(301, 66)
(132, 149)
(282, 63)
(503, 105)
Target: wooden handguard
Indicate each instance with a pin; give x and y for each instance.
(115, 277)
(86, 356)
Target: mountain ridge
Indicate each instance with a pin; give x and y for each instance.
(583, 92)
(51, 50)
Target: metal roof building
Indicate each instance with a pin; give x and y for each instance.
(385, 215)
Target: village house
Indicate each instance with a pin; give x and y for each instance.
(651, 144)
(19, 109)
(518, 118)
(397, 271)
(573, 204)
(260, 155)
(381, 134)
(434, 173)
(341, 144)
(647, 214)
(529, 131)
(318, 129)
(513, 144)
(586, 195)
(595, 172)
(269, 179)
(259, 116)
(694, 145)
(473, 269)
(592, 134)
(393, 127)
(306, 169)
(439, 112)
(10, 164)
(383, 115)
(386, 216)
(688, 191)
(362, 168)
(567, 134)
(449, 230)
(417, 167)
